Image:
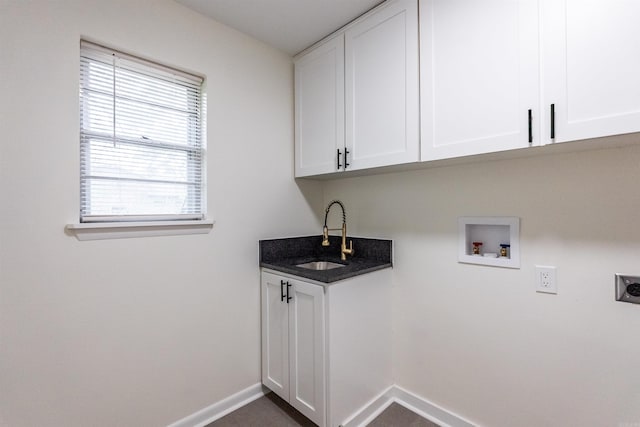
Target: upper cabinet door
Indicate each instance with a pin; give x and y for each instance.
(382, 88)
(479, 76)
(591, 67)
(319, 109)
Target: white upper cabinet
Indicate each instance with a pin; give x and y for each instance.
(590, 66)
(480, 76)
(357, 95)
(319, 109)
(479, 80)
(382, 87)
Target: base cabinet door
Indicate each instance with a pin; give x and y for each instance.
(293, 343)
(590, 68)
(275, 335)
(307, 351)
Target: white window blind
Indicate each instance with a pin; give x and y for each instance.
(140, 139)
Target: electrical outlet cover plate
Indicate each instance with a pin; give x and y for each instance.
(628, 288)
(546, 279)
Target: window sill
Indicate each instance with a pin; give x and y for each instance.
(123, 230)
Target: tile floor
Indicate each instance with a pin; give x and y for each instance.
(271, 411)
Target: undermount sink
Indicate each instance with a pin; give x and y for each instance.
(320, 265)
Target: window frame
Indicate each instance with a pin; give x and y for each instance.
(100, 226)
(131, 148)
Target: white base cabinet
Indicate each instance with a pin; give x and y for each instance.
(293, 343)
(327, 349)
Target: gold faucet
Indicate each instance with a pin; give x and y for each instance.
(325, 232)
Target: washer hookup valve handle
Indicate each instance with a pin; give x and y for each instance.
(504, 250)
(476, 248)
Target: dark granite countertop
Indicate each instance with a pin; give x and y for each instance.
(284, 254)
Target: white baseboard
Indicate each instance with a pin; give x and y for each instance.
(415, 403)
(429, 410)
(222, 408)
(364, 416)
(371, 410)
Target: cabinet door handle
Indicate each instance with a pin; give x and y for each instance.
(281, 290)
(530, 128)
(345, 158)
(338, 159)
(288, 297)
(553, 121)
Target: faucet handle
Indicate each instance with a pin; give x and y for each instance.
(325, 236)
(349, 251)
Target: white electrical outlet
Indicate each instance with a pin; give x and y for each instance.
(546, 279)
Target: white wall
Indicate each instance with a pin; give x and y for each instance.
(135, 332)
(145, 331)
(479, 340)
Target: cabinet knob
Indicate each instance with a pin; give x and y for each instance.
(288, 297)
(338, 159)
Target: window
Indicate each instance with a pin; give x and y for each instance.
(141, 153)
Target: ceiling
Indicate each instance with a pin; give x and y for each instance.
(288, 25)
